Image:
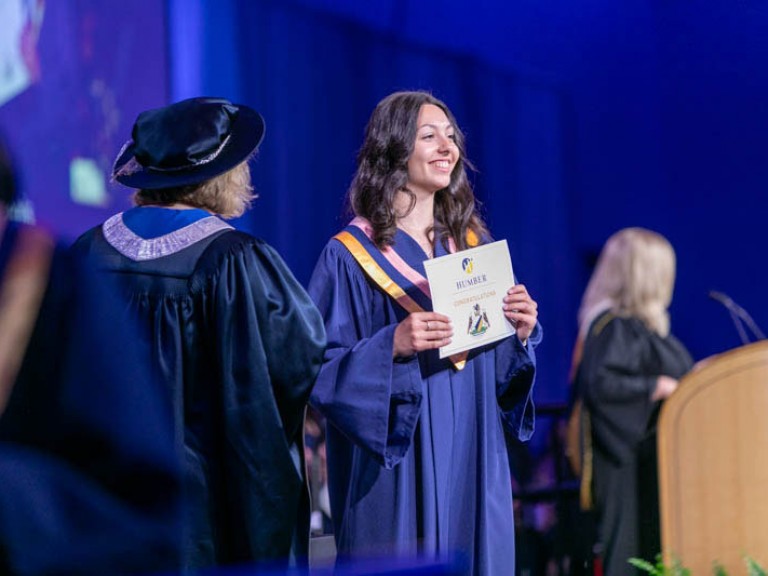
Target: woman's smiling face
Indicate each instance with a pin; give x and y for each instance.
(434, 153)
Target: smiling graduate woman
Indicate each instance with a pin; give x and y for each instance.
(417, 462)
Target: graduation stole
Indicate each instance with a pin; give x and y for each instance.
(406, 286)
(22, 286)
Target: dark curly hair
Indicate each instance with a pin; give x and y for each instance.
(382, 171)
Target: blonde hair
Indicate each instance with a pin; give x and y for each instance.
(229, 195)
(634, 276)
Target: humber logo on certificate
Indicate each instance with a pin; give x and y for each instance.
(469, 288)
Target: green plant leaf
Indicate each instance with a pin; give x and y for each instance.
(753, 568)
(679, 570)
(646, 566)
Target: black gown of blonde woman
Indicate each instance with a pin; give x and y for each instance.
(617, 376)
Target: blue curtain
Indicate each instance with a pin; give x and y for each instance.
(316, 78)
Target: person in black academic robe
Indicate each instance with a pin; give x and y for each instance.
(238, 341)
(629, 364)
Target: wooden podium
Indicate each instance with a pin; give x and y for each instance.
(713, 463)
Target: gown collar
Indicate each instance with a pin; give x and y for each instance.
(147, 233)
(406, 255)
(390, 271)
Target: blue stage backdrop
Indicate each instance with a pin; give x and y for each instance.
(582, 118)
(316, 77)
(74, 76)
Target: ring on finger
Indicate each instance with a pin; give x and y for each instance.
(428, 328)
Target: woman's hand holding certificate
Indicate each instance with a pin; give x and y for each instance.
(476, 290)
(422, 331)
(521, 310)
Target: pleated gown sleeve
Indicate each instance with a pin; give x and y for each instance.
(515, 376)
(617, 379)
(370, 398)
(269, 345)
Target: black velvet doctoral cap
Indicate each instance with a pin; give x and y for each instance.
(188, 142)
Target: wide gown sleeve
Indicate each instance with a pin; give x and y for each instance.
(616, 383)
(270, 345)
(515, 376)
(370, 397)
(617, 373)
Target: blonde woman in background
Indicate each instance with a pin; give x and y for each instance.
(629, 363)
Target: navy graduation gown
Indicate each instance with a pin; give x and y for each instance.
(239, 344)
(417, 461)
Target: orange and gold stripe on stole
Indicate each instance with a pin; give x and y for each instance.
(382, 279)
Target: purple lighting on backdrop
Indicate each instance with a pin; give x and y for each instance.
(73, 78)
(184, 40)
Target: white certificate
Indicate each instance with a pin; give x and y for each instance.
(469, 287)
